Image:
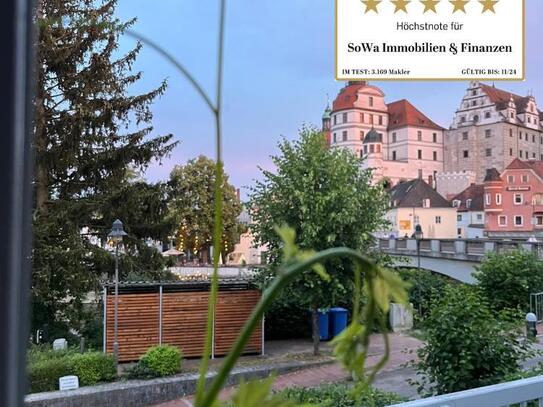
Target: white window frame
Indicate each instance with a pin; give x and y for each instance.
(488, 199)
(510, 179)
(468, 203)
(438, 220)
(503, 225)
(521, 221)
(456, 203)
(426, 203)
(498, 199)
(515, 199)
(525, 178)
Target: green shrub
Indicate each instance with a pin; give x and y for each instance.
(338, 395)
(288, 317)
(46, 366)
(162, 360)
(467, 344)
(508, 279)
(93, 367)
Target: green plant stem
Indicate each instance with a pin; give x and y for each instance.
(285, 276)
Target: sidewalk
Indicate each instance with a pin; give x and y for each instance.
(391, 378)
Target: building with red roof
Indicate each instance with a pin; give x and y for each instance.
(514, 200)
(396, 139)
(491, 128)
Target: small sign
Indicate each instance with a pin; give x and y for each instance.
(518, 188)
(405, 225)
(68, 383)
(430, 40)
(60, 344)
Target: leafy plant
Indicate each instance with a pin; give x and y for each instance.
(93, 367)
(334, 395)
(508, 279)
(162, 360)
(467, 344)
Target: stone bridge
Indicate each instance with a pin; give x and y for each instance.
(456, 258)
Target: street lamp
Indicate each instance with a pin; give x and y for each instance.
(116, 236)
(418, 236)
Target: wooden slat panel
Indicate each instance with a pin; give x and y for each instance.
(183, 322)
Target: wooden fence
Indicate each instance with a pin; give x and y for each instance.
(175, 314)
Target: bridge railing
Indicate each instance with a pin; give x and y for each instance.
(519, 392)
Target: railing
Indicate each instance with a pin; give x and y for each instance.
(518, 392)
(447, 246)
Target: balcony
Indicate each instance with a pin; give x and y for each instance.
(518, 392)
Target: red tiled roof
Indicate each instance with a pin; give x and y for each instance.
(536, 166)
(347, 96)
(475, 193)
(403, 113)
(502, 97)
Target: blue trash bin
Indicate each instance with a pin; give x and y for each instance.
(338, 320)
(324, 323)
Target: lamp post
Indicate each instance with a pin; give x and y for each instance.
(116, 236)
(418, 236)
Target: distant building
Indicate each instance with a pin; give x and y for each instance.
(514, 201)
(395, 139)
(470, 212)
(417, 203)
(490, 129)
(246, 252)
(449, 184)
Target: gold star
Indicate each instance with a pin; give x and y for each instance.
(400, 5)
(371, 5)
(459, 5)
(488, 5)
(430, 5)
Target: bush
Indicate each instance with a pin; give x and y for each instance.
(508, 279)
(468, 345)
(287, 318)
(425, 286)
(93, 367)
(338, 395)
(46, 366)
(158, 361)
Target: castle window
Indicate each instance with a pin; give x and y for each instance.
(488, 133)
(344, 134)
(475, 119)
(487, 115)
(361, 154)
(526, 136)
(474, 103)
(512, 115)
(474, 92)
(419, 135)
(419, 154)
(380, 120)
(361, 117)
(463, 119)
(372, 148)
(434, 137)
(393, 137)
(511, 152)
(361, 135)
(335, 138)
(520, 135)
(344, 117)
(366, 149)
(529, 119)
(488, 152)
(371, 101)
(510, 132)
(502, 220)
(394, 156)
(435, 155)
(465, 135)
(520, 153)
(533, 138)
(335, 119)
(533, 155)
(518, 220)
(466, 154)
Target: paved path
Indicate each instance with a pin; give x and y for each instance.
(393, 375)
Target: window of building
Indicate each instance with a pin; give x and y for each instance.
(468, 203)
(459, 232)
(465, 135)
(365, 149)
(435, 155)
(487, 199)
(378, 148)
(344, 135)
(533, 138)
(420, 173)
(488, 152)
(372, 148)
(479, 216)
(416, 220)
(371, 101)
(498, 199)
(426, 203)
(529, 119)
(526, 136)
(502, 220)
(361, 135)
(438, 219)
(361, 154)
(519, 221)
(539, 220)
(474, 92)
(475, 118)
(525, 177)
(510, 179)
(459, 217)
(463, 119)
(335, 140)
(510, 132)
(474, 103)
(520, 153)
(533, 155)
(434, 137)
(335, 119)
(466, 153)
(512, 115)
(393, 137)
(419, 154)
(520, 135)
(487, 115)
(344, 117)
(419, 135)
(511, 152)
(488, 133)
(380, 120)
(456, 203)
(518, 199)
(394, 156)
(361, 117)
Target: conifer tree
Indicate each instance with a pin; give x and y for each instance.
(90, 130)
